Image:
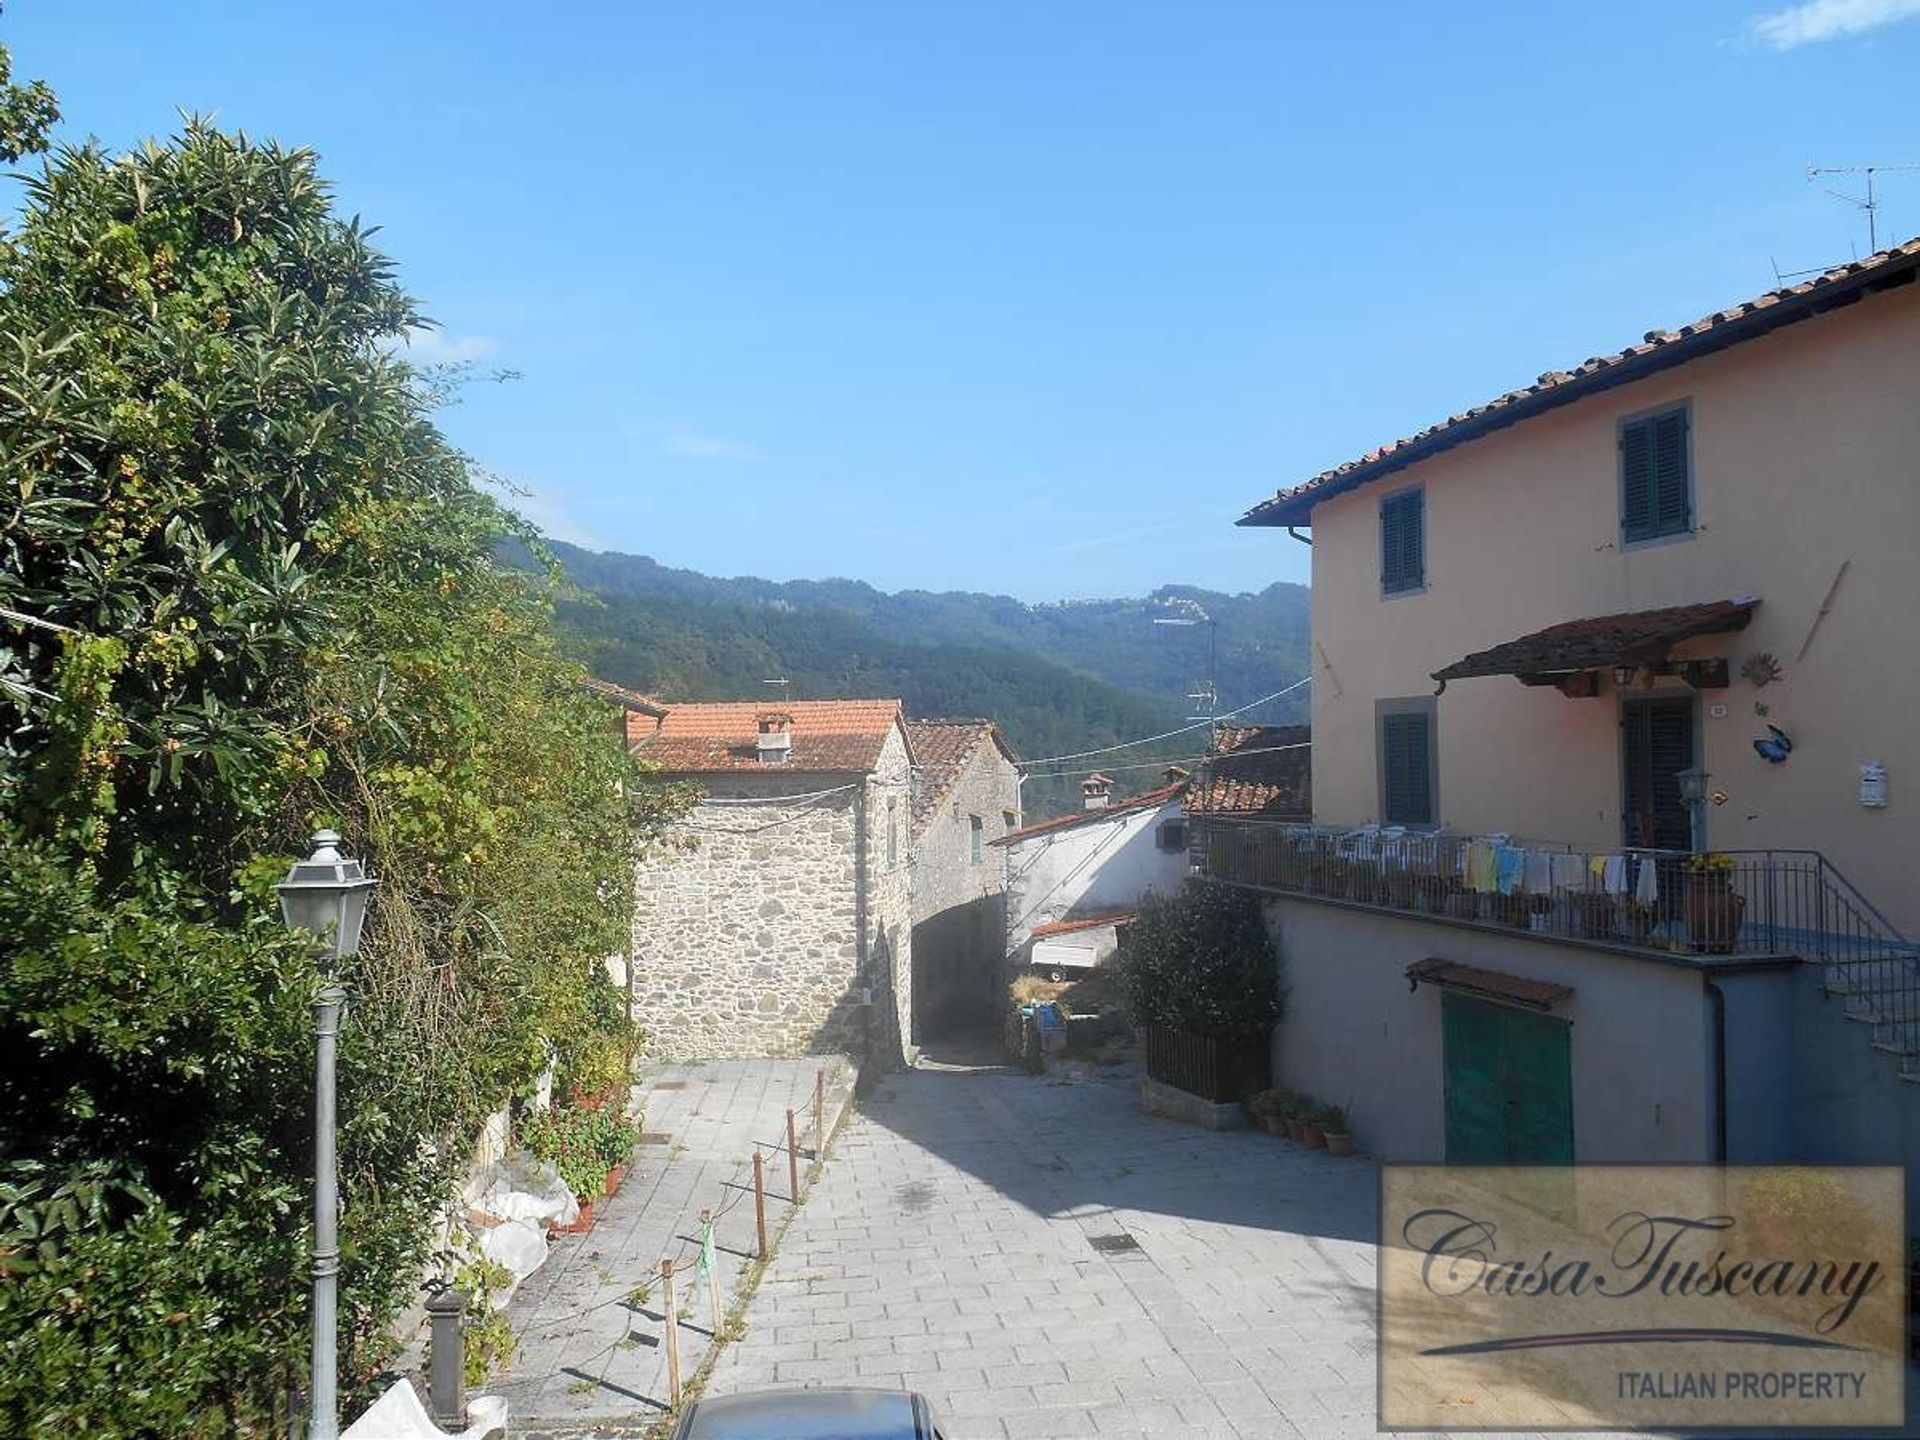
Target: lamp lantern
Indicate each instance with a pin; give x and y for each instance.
(326, 894)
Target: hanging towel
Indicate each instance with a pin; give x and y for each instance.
(1614, 876)
(1647, 889)
(1597, 869)
(1539, 872)
(1481, 868)
(1569, 871)
(1511, 868)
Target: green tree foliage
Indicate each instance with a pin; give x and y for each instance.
(1201, 960)
(262, 597)
(28, 113)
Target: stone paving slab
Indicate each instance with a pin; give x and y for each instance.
(587, 1351)
(948, 1249)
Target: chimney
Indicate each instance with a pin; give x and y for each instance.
(775, 740)
(1176, 775)
(1098, 790)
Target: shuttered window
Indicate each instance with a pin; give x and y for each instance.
(1403, 542)
(1656, 490)
(1406, 766)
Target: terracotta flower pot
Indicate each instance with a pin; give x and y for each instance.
(1313, 1135)
(616, 1177)
(1295, 1129)
(1715, 912)
(1339, 1144)
(580, 1226)
(1274, 1126)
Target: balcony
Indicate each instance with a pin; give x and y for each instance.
(1731, 904)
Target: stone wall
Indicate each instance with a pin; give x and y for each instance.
(959, 907)
(888, 911)
(744, 936)
(748, 919)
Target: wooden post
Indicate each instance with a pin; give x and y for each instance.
(793, 1161)
(760, 1200)
(819, 1115)
(673, 1332)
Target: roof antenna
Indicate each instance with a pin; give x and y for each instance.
(1870, 202)
(783, 683)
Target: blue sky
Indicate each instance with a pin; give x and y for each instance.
(1032, 298)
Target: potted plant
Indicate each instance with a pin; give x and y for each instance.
(1333, 1125)
(1268, 1107)
(1638, 919)
(1400, 886)
(567, 1139)
(1714, 909)
(1595, 913)
(1295, 1116)
(596, 1075)
(1311, 1135)
(614, 1137)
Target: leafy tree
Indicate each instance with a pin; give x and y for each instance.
(252, 591)
(28, 113)
(1201, 960)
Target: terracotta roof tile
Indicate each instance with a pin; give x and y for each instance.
(828, 735)
(1661, 350)
(1149, 800)
(1636, 637)
(1081, 922)
(1257, 770)
(941, 751)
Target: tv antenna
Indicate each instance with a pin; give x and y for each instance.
(1205, 695)
(782, 683)
(1870, 202)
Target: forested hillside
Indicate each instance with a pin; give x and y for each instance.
(1058, 678)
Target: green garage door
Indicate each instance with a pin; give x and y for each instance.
(1509, 1084)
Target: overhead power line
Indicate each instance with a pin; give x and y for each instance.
(1169, 734)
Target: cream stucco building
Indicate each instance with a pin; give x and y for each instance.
(1542, 625)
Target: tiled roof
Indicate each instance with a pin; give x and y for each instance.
(941, 751)
(626, 699)
(1257, 770)
(1659, 350)
(1636, 638)
(828, 735)
(1082, 922)
(1149, 800)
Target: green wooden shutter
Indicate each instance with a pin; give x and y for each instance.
(1474, 1091)
(1637, 488)
(1403, 542)
(1670, 508)
(1507, 1082)
(1657, 742)
(1655, 494)
(1406, 741)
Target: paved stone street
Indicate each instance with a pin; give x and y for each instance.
(953, 1247)
(587, 1351)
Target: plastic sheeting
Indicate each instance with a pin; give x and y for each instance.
(520, 1246)
(399, 1415)
(522, 1188)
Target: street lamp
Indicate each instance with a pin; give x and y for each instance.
(325, 896)
(1693, 794)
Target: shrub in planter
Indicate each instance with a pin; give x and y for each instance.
(1269, 1108)
(575, 1143)
(1333, 1125)
(1200, 961)
(1299, 1106)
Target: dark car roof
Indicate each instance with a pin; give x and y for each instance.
(813, 1413)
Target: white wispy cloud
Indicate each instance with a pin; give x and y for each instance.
(707, 447)
(1117, 537)
(548, 515)
(435, 347)
(1819, 20)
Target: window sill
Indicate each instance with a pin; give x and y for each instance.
(1404, 592)
(1678, 537)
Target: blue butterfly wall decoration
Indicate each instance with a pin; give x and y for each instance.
(1775, 749)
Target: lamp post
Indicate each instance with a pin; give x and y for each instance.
(326, 897)
(1693, 793)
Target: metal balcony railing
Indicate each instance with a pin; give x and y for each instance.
(1740, 902)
